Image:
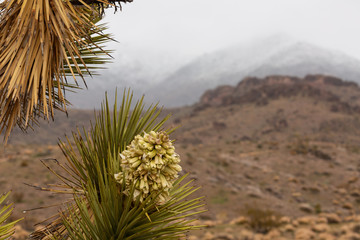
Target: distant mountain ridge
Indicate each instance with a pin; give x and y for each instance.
(257, 90)
(175, 81)
(339, 96)
(261, 91)
(263, 58)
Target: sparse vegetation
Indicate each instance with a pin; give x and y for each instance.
(220, 198)
(18, 197)
(317, 208)
(303, 147)
(272, 176)
(353, 148)
(262, 220)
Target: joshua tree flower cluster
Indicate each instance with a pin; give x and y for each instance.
(150, 162)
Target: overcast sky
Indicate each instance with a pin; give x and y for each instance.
(193, 27)
(157, 37)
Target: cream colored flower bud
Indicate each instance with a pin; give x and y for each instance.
(149, 146)
(158, 160)
(176, 167)
(152, 154)
(170, 151)
(170, 171)
(118, 176)
(132, 160)
(151, 163)
(158, 141)
(136, 164)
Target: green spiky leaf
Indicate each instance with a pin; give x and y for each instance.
(6, 228)
(102, 208)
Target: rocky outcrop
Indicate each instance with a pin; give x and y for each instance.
(261, 91)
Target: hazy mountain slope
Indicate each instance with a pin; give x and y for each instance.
(278, 143)
(340, 95)
(49, 132)
(132, 67)
(282, 57)
(301, 59)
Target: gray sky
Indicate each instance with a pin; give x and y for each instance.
(193, 27)
(157, 37)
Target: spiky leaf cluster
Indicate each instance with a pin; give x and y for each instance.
(150, 162)
(101, 208)
(6, 228)
(41, 43)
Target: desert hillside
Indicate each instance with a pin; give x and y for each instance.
(282, 146)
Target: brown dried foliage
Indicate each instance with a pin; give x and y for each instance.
(42, 43)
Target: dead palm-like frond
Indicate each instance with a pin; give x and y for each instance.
(102, 207)
(6, 228)
(42, 42)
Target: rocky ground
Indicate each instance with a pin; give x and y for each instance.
(323, 226)
(277, 158)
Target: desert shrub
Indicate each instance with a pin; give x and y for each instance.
(356, 228)
(262, 220)
(303, 147)
(353, 148)
(300, 147)
(18, 197)
(219, 126)
(318, 208)
(319, 154)
(220, 198)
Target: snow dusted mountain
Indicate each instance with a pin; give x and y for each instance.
(166, 79)
(301, 58)
(132, 67)
(274, 56)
